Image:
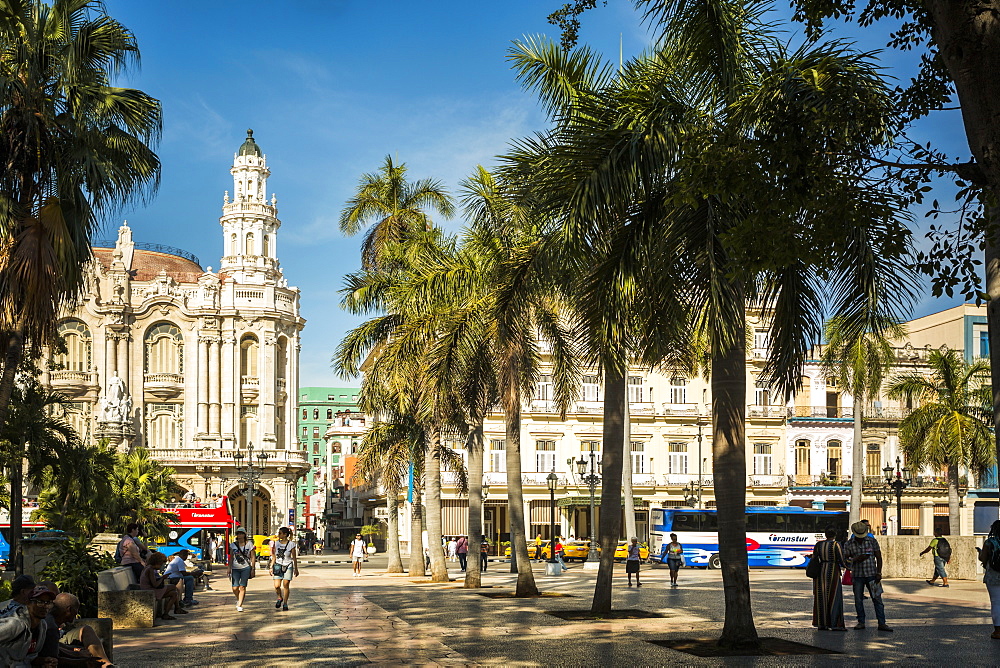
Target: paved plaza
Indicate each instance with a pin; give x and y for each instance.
(378, 619)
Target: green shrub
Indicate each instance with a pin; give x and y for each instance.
(5, 590)
(73, 566)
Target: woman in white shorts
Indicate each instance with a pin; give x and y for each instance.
(357, 554)
(284, 565)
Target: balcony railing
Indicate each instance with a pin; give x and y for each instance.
(214, 455)
(680, 409)
(757, 410)
(767, 480)
(819, 481)
(64, 376)
(820, 412)
(169, 378)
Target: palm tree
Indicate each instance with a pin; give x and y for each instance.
(394, 207)
(859, 362)
(654, 154)
(76, 489)
(951, 427)
(75, 147)
(139, 489)
(31, 431)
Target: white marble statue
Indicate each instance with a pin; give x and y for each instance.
(116, 405)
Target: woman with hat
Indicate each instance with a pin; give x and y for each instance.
(241, 566)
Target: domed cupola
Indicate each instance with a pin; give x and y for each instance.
(249, 220)
(250, 146)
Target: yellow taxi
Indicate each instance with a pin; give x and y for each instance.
(262, 545)
(621, 552)
(572, 550)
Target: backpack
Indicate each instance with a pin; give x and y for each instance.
(994, 554)
(944, 548)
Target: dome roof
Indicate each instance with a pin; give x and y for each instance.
(249, 146)
(146, 265)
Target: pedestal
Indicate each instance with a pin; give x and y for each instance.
(591, 565)
(553, 568)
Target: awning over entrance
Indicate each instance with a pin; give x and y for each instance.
(574, 501)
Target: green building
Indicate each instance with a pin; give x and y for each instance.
(320, 408)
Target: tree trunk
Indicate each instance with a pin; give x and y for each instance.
(611, 484)
(392, 534)
(967, 35)
(954, 519)
(729, 463)
(515, 503)
(473, 576)
(628, 496)
(432, 474)
(416, 568)
(992, 251)
(16, 513)
(13, 356)
(857, 465)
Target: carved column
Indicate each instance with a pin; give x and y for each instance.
(214, 396)
(122, 364)
(110, 354)
(230, 387)
(202, 385)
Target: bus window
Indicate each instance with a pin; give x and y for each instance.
(768, 522)
(686, 522)
(709, 522)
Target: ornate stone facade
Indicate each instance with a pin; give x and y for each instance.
(190, 363)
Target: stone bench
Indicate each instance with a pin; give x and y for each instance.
(120, 599)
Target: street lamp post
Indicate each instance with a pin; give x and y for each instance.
(591, 480)
(882, 495)
(700, 426)
(898, 479)
(552, 480)
(250, 476)
(689, 497)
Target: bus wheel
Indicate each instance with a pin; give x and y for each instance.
(714, 562)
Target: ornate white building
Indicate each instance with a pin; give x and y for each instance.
(190, 363)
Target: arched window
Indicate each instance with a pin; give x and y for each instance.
(164, 346)
(78, 341)
(266, 245)
(329, 413)
(281, 358)
(249, 352)
(802, 454)
(315, 414)
(234, 245)
(833, 458)
(163, 428)
(249, 247)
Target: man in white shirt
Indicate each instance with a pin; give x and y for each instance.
(176, 572)
(357, 551)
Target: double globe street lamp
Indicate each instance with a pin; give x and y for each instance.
(250, 476)
(592, 480)
(898, 480)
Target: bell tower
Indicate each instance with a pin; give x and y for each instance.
(249, 221)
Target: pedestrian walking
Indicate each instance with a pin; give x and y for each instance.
(241, 566)
(284, 566)
(452, 549)
(864, 556)
(989, 556)
(357, 550)
(560, 552)
(538, 548)
(462, 551)
(828, 592)
(210, 551)
(675, 558)
(632, 561)
(484, 554)
(940, 549)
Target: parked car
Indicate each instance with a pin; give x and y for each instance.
(621, 553)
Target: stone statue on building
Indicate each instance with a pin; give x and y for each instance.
(116, 405)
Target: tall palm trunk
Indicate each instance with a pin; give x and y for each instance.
(729, 464)
(628, 497)
(432, 474)
(954, 519)
(416, 568)
(13, 355)
(16, 514)
(611, 484)
(515, 501)
(473, 576)
(992, 251)
(857, 463)
(392, 537)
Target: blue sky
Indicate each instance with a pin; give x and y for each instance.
(330, 88)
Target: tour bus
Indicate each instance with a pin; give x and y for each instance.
(776, 535)
(193, 525)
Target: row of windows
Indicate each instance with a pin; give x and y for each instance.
(163, 350)
(249, 245)
(329, 413)
(760, 522)
(590, 390)
(834, 458)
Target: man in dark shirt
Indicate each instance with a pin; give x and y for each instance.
(865, 560)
